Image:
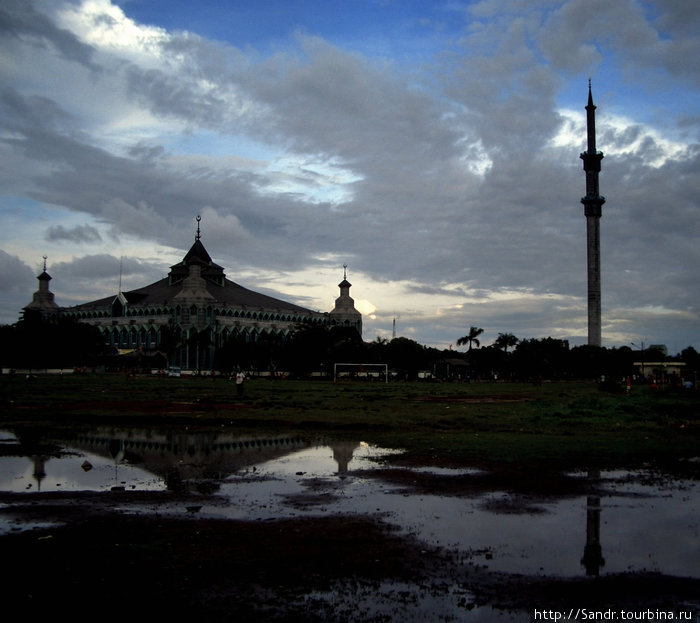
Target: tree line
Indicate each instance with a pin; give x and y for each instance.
(313, 349)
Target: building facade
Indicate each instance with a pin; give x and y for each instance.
(191, 313)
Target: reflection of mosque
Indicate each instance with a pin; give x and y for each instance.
(183, 460)
(203, 461)
(342, 453)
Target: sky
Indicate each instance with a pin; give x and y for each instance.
(431, 146)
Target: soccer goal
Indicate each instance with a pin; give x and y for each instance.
(360, 372)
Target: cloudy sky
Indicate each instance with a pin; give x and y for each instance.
(432, 146)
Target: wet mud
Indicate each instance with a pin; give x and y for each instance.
(281, 529)
(335, 568)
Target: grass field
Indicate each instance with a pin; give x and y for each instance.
(561, 424)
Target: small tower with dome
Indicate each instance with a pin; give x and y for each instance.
(43, 306)
(344, 313)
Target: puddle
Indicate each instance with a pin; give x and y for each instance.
(610, 522)
(72, 469)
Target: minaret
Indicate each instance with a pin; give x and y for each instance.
(592, 204)
(344, 314)
(43, 305)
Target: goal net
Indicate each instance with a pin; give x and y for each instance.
(360, 372)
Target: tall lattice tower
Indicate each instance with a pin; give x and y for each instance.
(592, 204)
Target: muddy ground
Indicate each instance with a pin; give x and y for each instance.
(97, 559)
(88, 555)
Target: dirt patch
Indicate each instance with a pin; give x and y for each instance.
(194, 567)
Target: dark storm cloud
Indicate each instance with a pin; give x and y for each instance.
(20, 20)
(574, 35)
(94, 276)
(17, 283)
(79, 233)
(15, 275)
(104, 266)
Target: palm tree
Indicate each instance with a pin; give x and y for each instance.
(471, 338)
(505, 341)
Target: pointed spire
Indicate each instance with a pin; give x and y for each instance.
(590, 120)
(590, 96)
(199, 235)
(45, 258)
(345, 271)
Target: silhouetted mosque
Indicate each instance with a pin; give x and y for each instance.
(192, 312)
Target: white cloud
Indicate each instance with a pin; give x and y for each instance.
(104, 26)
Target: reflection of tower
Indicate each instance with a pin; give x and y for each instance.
(342, 453)
(592, 204)
(39, 470)
(593, 552)
(117, 452)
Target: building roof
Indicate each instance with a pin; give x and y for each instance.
(163, 293)
(210, 281)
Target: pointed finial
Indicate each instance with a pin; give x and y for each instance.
(345, 271)
(199, 235)
(45, 258)
(590, 105)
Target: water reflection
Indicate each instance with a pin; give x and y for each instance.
(181, 461)
(593, 552)
(342, 453)
(644, 525)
